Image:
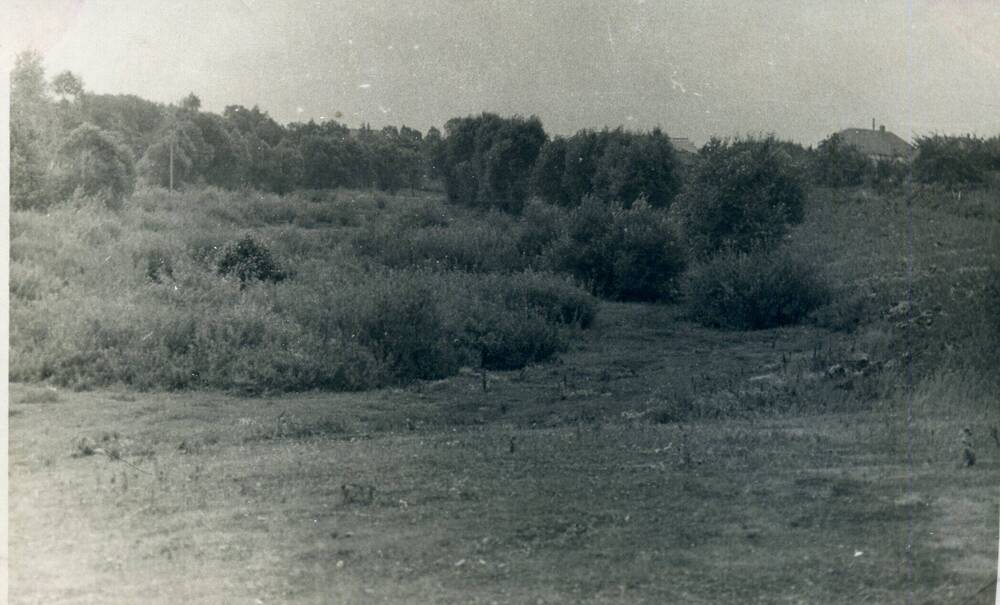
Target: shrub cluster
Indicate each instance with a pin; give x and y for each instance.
(952, 160)
(138, 297)
(486, 160)
(611, 165)
(753, 290)
(478, 246)
(249, 259)
(837, 164)
(620, 253)
(743, 194)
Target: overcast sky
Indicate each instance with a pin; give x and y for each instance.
(798, 68)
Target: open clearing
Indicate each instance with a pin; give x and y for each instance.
(555, 485)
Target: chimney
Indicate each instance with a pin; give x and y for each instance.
(873, 123)
(881, 128)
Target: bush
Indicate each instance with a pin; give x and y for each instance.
(753, 291)
(612, 165)
(509, 339)
(540, 226)
(249, 259)
(621, 254)
(554, 297)
(474, 245)
(743, 195)
(486, 160)
(400, 320)
(837, 164)
(950, 160)
(95, 163)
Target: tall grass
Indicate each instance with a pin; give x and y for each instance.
(136, 297)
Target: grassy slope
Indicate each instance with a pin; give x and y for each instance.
(240, 499)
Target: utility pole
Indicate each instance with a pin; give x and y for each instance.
(172, 138)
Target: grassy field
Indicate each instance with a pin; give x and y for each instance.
(651, 461)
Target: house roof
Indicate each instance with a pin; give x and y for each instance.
(876, 142)
(683, 144)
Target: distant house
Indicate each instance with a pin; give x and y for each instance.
(878, 145)
(684, 144)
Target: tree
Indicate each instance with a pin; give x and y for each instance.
(487, 160)
(27, 175)
(742, 196)
(178, 155)
(32, 133)
(634, 165)
(432, 149)
(837, 164)
(228, 157)
(284, 168)
(95, 162)
(191, 103)
(68, 86)
(137, 121)
(547, 173)
(951, 160)
(27, 80)
(255, 122)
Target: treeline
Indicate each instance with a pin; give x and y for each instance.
(65, 139)
(947, 160)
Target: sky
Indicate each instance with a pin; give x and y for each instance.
(800, 69)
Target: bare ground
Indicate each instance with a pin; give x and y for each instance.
(657, 462)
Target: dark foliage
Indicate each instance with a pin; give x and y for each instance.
(743, 194)
(950, 160)
(611, 165)
(620, 253)
(486, 160)
(94, 162)
(753, 290)
(249, 259)
(837, 164)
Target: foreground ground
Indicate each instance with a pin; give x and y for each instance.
(568, 482)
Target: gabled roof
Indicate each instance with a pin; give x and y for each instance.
(683, 144)
(876, 142)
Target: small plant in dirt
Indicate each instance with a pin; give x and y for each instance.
(754, 290)
(249, 259)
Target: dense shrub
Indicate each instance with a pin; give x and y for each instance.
(134, 298)
(508, 339)
(837, 164)
(486, 160)
(400, 320)
(742, 195)
(622, 254)
(249, 259)
(951, 160)
(473, 245)
(95, 163)
(541, 225)
(612, 165)
(554, 297)
(28, 188)
(753, 290)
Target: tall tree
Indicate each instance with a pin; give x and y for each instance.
(95, 162)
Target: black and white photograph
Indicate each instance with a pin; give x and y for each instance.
(501, 301)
